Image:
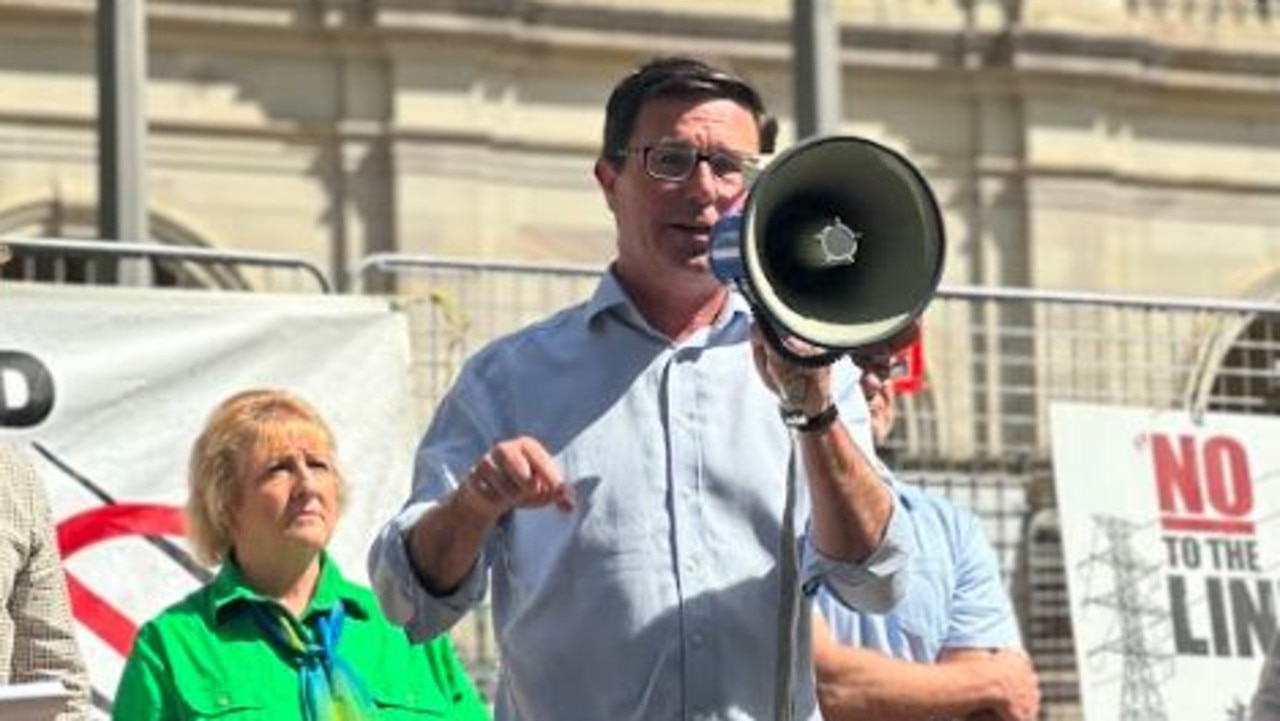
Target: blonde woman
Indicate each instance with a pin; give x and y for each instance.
(279, 633)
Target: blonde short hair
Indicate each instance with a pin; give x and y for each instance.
(234, 430)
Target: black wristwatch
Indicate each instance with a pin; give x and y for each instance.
(819, 421)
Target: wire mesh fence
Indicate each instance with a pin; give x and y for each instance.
(978, 432)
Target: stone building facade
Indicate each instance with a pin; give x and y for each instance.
(1107, 145)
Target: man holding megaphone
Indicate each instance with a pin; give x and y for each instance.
(620, 472)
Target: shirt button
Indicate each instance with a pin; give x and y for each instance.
(698, 638)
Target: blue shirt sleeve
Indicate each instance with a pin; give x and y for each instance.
(452, 444)
(403, 599)
(876, 584)
(981, 614)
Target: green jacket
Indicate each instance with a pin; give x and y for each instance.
(204, 657)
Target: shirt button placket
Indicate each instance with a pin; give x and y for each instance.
(687, 480)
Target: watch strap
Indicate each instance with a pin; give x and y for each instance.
(819, 421)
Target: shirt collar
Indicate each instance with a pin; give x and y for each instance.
(610, 295)
(607, 296)
(229, 589)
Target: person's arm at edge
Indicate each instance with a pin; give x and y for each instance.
(43, 627)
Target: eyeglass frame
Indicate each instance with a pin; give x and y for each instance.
(748, 165)
(886, 369)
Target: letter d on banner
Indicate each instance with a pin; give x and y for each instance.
(26, 390)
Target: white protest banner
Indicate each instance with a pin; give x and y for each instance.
(107, 389)
(1169, 527)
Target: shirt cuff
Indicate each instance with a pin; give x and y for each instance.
(403, 598)
(876, 584)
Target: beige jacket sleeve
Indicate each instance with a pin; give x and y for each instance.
(37, 634)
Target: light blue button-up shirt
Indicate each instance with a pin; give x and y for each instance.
(657, 597)
(955, 598)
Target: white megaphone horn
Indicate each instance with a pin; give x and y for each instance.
(839, 244)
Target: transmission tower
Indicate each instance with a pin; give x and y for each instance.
(1140, 698)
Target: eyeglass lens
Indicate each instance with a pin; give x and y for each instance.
(677, 162)
(888, 369)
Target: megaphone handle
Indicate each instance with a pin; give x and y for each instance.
(816, 360)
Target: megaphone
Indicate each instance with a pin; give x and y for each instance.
(839, 244)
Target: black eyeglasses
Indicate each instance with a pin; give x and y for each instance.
(886, 369)
(677, 162)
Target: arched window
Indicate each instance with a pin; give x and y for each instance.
(57, 219)
(1248, 378)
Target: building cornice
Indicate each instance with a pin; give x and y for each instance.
(408, 27)
(1142, 61)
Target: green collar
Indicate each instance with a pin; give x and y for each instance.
(229, 589)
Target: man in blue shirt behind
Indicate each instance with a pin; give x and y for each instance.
(620, 471)
(951, 648)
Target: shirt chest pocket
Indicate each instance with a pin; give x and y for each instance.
(236, 703)
(400, 702)
(223, 701)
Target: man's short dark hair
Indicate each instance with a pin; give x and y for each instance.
(679, 77)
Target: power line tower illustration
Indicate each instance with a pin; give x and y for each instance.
(1134, 635)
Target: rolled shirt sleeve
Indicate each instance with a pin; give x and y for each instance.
(403, 598)
(462, 429)
(877, 583)
(874, 585)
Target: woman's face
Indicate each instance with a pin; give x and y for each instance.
(288, 494)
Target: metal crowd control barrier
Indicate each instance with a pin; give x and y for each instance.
(455, 306)
(64, 260)
(996, 358)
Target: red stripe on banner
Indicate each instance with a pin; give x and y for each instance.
(101, 617)
(1207, 525)
(121, 519)
(102, 524)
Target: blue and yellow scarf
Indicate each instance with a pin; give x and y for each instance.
(330, 689)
